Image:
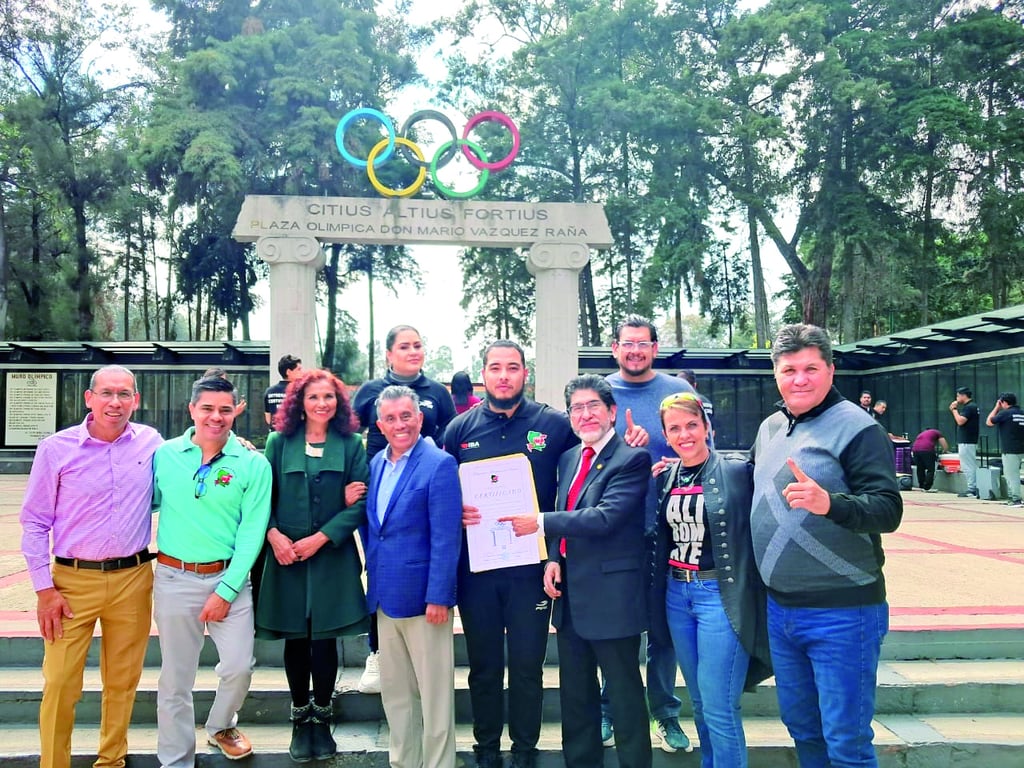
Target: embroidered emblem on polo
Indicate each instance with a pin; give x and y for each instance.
(224, 478)
(536, 441)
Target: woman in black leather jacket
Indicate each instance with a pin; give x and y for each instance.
(707, 582)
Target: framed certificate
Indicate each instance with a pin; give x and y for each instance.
(500, 487)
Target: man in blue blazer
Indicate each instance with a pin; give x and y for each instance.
(596, 574)
(412, 539)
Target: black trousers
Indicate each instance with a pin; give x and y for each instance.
(580, 696)
(505, 605)
(925, 462)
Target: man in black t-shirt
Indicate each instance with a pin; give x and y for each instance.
(507, 605)
(289, 367)
(1007, 416)
(966, 415)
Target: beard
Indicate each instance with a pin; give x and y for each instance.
(505, 403)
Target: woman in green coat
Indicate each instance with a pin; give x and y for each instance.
(310, 589)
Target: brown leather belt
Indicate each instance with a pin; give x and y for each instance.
(114, 564)
(203, 569)
(687, 575)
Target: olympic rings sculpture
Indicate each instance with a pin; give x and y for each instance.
(400, 144)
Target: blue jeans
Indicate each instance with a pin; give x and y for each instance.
(826, 664)
(714, 665)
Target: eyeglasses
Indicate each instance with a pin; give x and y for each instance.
(580, 408)
(204, 472)
(679, 397)
(123, 395)
(629, 346)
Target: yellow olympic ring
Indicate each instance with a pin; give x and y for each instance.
(371, 173)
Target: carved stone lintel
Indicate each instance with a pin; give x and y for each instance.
(301, 249)
(543, 255)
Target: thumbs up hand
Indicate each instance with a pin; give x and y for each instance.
(805, 493)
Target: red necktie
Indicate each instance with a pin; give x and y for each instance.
(577, 486)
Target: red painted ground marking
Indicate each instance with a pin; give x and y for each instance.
(13, 578)
(959, 610)
(950, 547)
(14, 615)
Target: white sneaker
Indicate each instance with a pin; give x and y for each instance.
(369, 682)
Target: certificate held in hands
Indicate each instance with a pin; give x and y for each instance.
(500, 487)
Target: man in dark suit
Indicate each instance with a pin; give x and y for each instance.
(413, 536)
(596, 567)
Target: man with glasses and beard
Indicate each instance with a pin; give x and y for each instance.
(213, 496)
(507, 603)
(639, 390)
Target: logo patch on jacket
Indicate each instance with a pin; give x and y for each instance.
(536, 441)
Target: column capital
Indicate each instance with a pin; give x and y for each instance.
(301, 249)
(543, 256)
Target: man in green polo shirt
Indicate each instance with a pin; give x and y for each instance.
(213, 496)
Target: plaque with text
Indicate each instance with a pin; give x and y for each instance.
(31, 407)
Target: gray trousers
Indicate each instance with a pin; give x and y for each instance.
(968, 453)
(178, 598)
(1011, 471)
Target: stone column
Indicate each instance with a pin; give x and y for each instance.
(294, 262)
(556, 267)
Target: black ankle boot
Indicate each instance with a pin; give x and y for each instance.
(301, 748)
(324, 745)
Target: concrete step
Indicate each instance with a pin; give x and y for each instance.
(904, 688)
(27, 650)
(993, 740)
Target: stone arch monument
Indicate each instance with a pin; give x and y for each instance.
(289, 233)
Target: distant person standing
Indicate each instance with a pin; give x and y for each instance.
(289, 368)
(462, 392)
(709, 408)
(865, 402)
(967, 416)
(1007, 416)
(925, 455)
(405, 355)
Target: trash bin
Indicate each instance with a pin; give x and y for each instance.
(903, 456)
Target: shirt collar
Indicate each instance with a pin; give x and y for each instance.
(127, 434)
(406, 455)
(832, 398)
(231, 448)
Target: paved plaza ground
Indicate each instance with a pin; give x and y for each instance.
(953, 564)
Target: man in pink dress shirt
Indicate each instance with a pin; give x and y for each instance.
(91, 488)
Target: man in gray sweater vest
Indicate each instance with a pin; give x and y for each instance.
(824, 490)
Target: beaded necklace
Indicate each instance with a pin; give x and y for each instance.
(687, 477)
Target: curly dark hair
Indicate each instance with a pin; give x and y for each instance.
(291, 414)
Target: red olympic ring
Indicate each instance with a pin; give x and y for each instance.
(491, 116)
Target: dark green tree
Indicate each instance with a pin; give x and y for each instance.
(498, 292)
